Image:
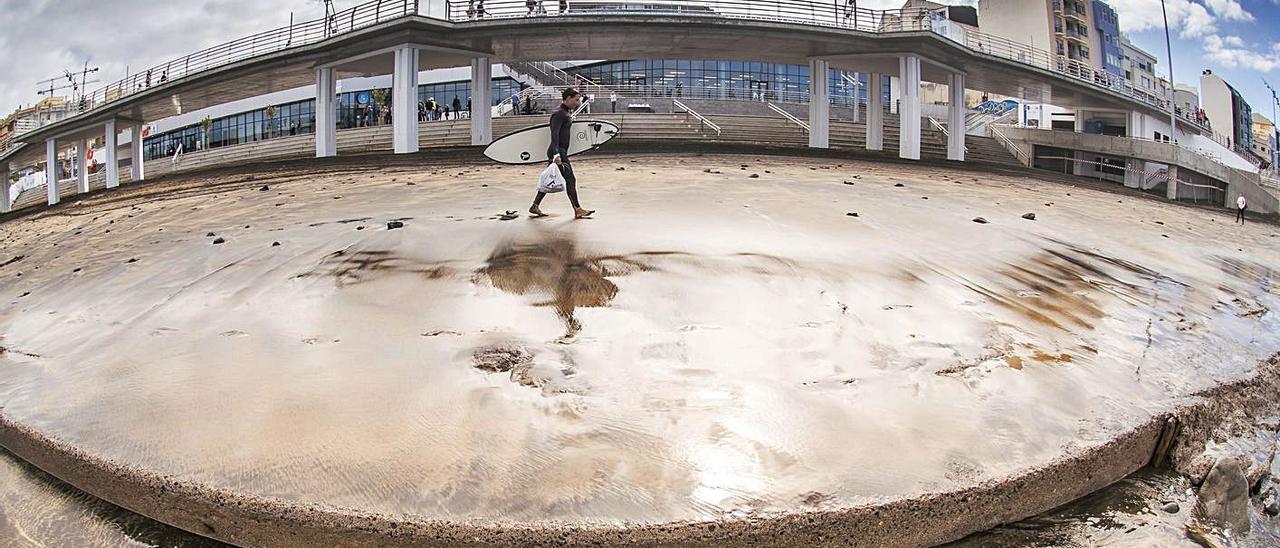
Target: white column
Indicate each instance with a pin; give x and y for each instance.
(326, 128)
(135, 144)
(1081, 115)
(1134, 126)
(819, 103)
(909, 108)
(875, 111)
(481, 101)
(113, 157)
(956, 119)
(51, 169)
(404, 101)
(856, 99)
(82, 166)
(1171, 191)
(4, 188)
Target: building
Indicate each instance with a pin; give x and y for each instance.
(1264, 138)
(1230, 117)
(24, 119)
(1138, 66)
(1075, 30)
(1186, 98)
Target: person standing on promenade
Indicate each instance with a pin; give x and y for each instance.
(1241, 206)
(558, 153)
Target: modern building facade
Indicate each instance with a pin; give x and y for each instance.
(1229, 114)
(359, 108)
(1138, 66)
(1078, 30)
(48, 110)
(1264, 138)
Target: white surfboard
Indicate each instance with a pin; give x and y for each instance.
(529, 145)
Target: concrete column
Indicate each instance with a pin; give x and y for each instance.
(82, 166)
(113, 156)
(404, 101)
(956, 119)
(51, 169)
(875, 112)
(819, 103)
(481, 101)
(135, 144)
(1171, 190)
(856, 93)
(5, 206)
(1134, 126)
(1135, 175)
(909, 108)
(1081, 116)
(326, 127)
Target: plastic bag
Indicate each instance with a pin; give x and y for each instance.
(552, 180)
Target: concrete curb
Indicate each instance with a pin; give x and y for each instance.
(919, 521)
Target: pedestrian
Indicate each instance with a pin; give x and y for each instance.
(679, 89)
(469, 107)
(564, 6)
(457, 107)
(446, 112)
(613, 101)
(480, 10)
(1241, 206)
(558, 153)
(431, 108)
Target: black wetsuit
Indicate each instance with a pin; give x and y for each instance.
(561, 131)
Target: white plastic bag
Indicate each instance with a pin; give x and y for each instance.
(552, 180)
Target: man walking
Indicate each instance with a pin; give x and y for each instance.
(558, 153)
(613, 101)
(457, 107)
(1241, 205)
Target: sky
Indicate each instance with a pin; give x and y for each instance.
(1234, 38)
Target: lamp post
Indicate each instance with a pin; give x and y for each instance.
(1168, 46)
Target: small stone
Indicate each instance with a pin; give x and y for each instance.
(209, 235)
(1171, 507)
(621, 168)
(132, 260)
(980, 220)
(275, 244)
(218, 241)
(899, 185)
(924, 197)
(394, 225)
(264, 188)
(76, 270)
(851, 214)
(1029, 216)
(754, 176)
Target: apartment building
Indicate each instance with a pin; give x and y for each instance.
(1229, 114)
(1079, 30)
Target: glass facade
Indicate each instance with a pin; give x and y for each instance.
(722, 80)
(355, 109)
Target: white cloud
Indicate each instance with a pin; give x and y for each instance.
(1189, 19)
(1229, 9)
(1232, 52)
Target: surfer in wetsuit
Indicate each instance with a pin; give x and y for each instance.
(558, 152)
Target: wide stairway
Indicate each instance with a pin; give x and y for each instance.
(765, 131)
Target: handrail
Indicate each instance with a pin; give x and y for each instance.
(938, 125)
(1009, 145)
(789, 116)
(822, 13)
(300, 34)
(679, 104)
(585, 103)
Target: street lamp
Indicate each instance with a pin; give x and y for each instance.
(1168, 46)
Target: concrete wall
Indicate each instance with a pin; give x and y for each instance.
(1238, 181)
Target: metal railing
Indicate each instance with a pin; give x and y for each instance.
(701, 119)
(823, 13)
(789, 116)
(942, 128)
(1008, 144)
(300, 34)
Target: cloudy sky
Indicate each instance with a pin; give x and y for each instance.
(1235, 38)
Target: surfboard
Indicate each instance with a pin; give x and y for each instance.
(529, 145)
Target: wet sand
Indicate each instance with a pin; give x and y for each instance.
(712, 346)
